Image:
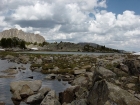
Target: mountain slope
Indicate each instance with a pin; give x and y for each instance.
(28, 37)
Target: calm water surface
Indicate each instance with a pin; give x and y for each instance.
(75, 53)
(5, 94)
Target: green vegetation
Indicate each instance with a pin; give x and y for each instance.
(99, 48)
(12, 42)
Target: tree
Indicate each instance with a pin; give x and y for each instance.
(22, 45)
(3, 42)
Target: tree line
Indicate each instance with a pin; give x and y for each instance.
(89, 48)
(12, 42)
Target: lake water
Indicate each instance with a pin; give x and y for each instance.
(5, 94)
(75, 53)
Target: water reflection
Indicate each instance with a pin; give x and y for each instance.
(5, 94)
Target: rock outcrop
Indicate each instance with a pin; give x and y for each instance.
(28, 37)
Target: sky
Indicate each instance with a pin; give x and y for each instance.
(113, 23)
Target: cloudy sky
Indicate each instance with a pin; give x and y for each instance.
(113, 23)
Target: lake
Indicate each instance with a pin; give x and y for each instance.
(75, 53)
(5, 94)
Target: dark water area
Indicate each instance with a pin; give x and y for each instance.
(5, 94)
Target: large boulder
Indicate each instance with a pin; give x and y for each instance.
(82, 93)
(44, 90)
(81, 81)
(133, 65)
(35, 85)
(79, 102)
(103, 91)
(36, 98)
(50, 99)
(26, 91)
(23, 89)
(68, 95)
(104, 72)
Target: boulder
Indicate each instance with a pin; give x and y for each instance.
(38, 61)
(87, 67)
(106, 73)
(25, 91)
(50, 99)
(34, 85)
(9, 57)
(44, 91)
(79, 102)
(68, 95)
(81, 81)
(24, 59)
(80, 71)
(124, 68)
(102, 91)
(36, 98)
(16, 96)
(133, 65)
(82, 93)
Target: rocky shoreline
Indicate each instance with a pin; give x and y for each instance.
(96, 80)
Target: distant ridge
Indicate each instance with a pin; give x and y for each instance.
(85, 43)
(28, 37)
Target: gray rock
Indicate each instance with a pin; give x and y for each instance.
(103, 91)
(68, 95)
(50, 99)
(82, 93)
(124, 68)
(25, 91)
(9, 57)
(28, 37)
(35, 98)
(35, 85)
(81, 81)
(79, 102)
(38, 61)
(105, 72)
(16, 95)
(10, 71)
(44, 90)
(24, 59)
(80, 71)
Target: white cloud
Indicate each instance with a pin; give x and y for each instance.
(2, 22)
(69, 20)
(26, 29)
(33, 12)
